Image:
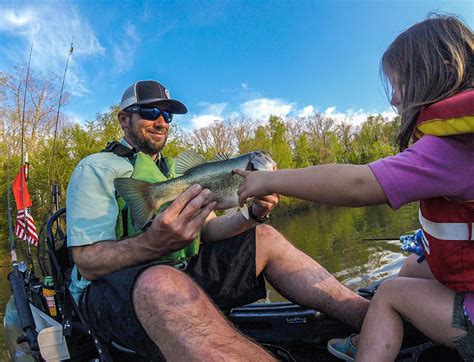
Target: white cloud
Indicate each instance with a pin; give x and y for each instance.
(210, 113)
(75, 117)
(260, 109)
(263, 108)
(14, 19)
(213, 108)
(204, 120)
(132, 32)
(329, 111)
(356, 117)
(389, 114)
(50, 28)
(306, 111)
(124, 50)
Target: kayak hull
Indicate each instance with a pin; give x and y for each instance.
(289, 331)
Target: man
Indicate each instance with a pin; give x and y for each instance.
(173, 308)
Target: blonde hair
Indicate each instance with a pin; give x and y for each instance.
(432, 60)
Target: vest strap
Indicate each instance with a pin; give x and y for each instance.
(120, 150)
(447, 231)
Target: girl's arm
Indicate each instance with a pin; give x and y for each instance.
(334, 184)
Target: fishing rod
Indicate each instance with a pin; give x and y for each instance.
(13, 255)
(55, 188)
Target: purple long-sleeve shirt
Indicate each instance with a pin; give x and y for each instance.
(431, 167)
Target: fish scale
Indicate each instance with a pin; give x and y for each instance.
(144, 198)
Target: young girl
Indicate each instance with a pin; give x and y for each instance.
(430, 68)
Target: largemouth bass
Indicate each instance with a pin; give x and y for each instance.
(144, 198)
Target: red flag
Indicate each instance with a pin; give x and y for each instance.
(27, 233)
(25, 225)
(20, 190)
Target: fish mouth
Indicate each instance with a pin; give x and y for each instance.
(260, 160)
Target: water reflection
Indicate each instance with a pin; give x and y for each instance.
(342, 240)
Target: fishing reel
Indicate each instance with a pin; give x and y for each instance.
(412, 243)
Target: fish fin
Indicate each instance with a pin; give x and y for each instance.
(138, 196)
(188, 160)
(231, 211)
(219, 157)
(245, 211)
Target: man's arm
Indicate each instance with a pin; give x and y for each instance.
(218, 228)
(172, 230)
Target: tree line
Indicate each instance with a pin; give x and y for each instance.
(291, 142)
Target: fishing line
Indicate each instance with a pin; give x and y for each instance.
(52, 186)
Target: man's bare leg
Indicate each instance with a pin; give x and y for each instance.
(302, 280)
(182, 321)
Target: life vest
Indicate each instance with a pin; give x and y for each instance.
(448, 226)
(145, 169)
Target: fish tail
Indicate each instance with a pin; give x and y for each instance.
(139, 197)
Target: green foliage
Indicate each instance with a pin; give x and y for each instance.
(374, 140)
(291, 143)
(177, 142)
(280, 149)
(303, 152)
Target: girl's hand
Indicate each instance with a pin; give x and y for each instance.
(254, 184)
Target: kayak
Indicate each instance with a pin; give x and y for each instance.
(289, 331)
(36, 330)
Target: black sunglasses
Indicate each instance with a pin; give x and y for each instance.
(151, 114)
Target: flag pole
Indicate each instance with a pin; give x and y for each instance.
(24, 163)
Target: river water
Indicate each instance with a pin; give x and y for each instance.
(343, 240)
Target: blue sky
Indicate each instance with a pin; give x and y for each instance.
(221, 58)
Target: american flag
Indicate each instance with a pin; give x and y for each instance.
(26, 233)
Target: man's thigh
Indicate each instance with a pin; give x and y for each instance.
(107, 305)
(225, 270)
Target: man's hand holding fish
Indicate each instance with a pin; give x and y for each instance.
(178, 225)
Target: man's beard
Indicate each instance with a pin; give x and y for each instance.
(146, 144)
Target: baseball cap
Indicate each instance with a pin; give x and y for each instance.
(150, 92)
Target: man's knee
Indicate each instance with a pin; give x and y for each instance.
(264, 231)
(269, 241)
(164, 285)
(267, 235)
